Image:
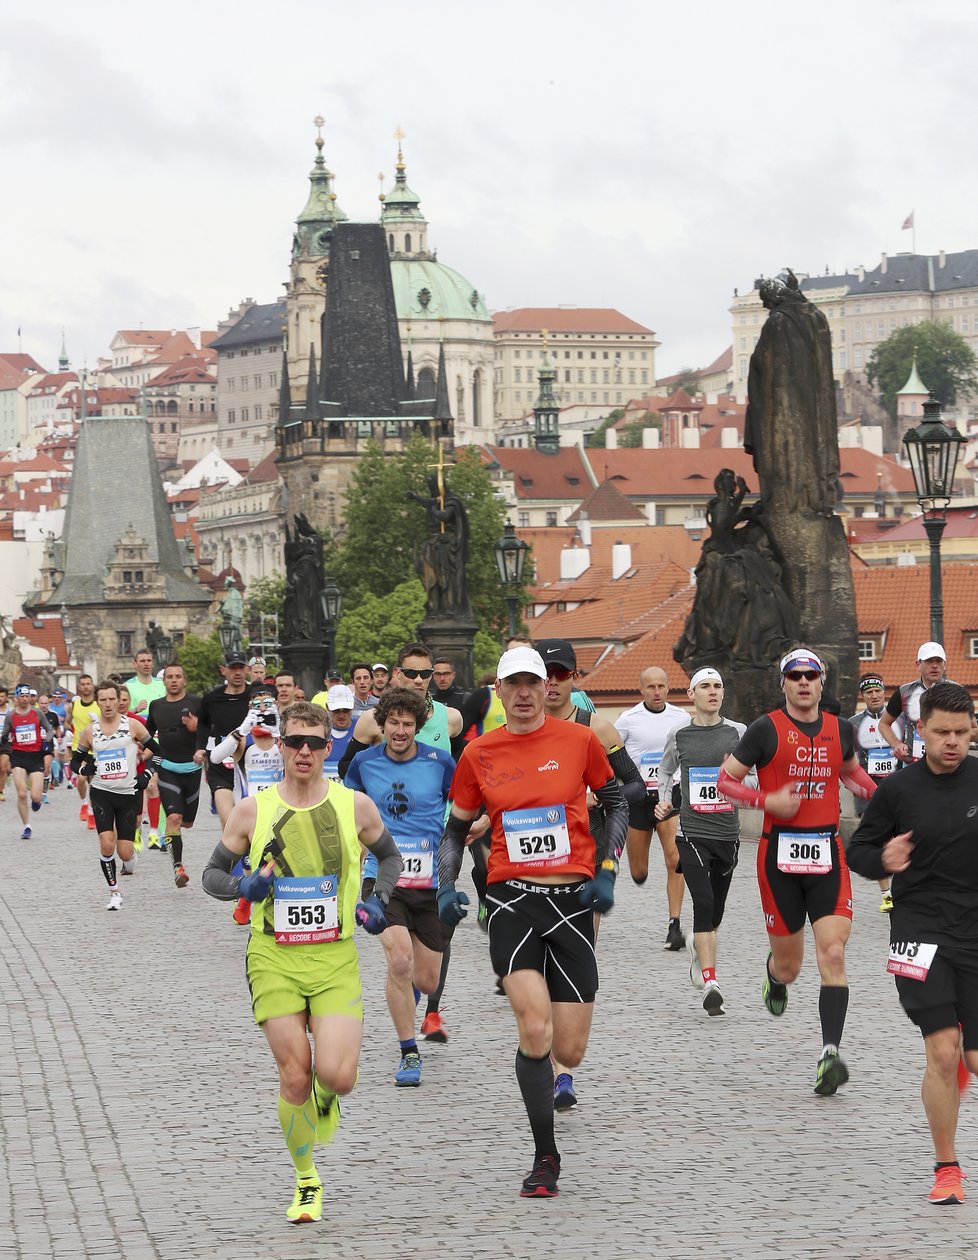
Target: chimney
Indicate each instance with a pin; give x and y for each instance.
(729, 437)
(650, 439)
(691, 439)
(584, 529)
(941, 259)
(883, 265)
(611, 439)
(573, 562)
(621, 560)
(861, 273)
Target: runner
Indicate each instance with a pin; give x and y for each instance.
(25, 731)
(380, 677)
(144, 687)
(361, 679)
(44, 706)
(304, 838)
(109, 753)
(643, 730)
(257, 670)
(221, 711)
(82, 711)
(544, 883)
(921, 828)
(409, 785)
(875, 755)
(284, 689)
(339, 705)
(173, 721)
(904, 705)
(5, 707)
(710, 839)
(801, 754)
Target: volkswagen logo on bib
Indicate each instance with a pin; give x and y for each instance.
(553, 815)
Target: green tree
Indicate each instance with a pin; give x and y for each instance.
(945, 362)
(377, 626)
(689, 380)
(486, 652)
(264, 597)
(201, 661)
(598, 438)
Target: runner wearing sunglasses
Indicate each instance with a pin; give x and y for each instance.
(801, 754)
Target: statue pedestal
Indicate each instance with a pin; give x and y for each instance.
(307, 662)
(452, 639)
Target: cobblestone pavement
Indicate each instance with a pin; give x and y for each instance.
(137, 1098)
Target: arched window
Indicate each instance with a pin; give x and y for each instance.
(407, 242)
(171, 407)
(477, 398)
(390, 242)
(426, 384)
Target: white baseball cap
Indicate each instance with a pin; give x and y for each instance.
(521, 660)
(927, 650)
(704, 675)
(339, 697)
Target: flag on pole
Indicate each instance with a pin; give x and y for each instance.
(907, 222)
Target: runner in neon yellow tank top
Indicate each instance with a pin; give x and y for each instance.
(304, 837)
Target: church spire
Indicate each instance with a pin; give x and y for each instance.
(321, 211)
(63, 364)
(285, 392)
(313, 410)
(546, 412)
(443, 409)
(405, 225)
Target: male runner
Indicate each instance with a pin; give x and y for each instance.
(409, 784)
(875, 755)
(380, 676)
(921, 827)
(643, 730)
(710, 839)
(173, 721)
(801, 754)
(361, 679)
(303, 836)
(257, 670)
(5, 708)
(144, 687)
(84, 708)
(545, 881)
(26, 731)
(109, 753)
(285, 689)
(904, 704)
(221, 711)
(339, 705)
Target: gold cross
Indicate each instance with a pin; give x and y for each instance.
(441, 466)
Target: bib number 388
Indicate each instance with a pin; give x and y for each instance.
(805, 852)
(536, 835)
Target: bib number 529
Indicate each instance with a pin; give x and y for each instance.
(532, 845)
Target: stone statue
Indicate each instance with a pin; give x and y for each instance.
(160, 644)
(232, 615)
(441, 565)
(302, 613)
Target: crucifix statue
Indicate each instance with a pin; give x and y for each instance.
(441, 565)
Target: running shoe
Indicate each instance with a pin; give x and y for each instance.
(541, 1181)
(886, 905)
(36, 807)
(500, 991)
(44, 799)
(242, 911)
(409, 1073)
(115, 900)
(675, 940)
(774, 994)
(432, 1028)
(484, 916)
(948, 1185)
(180, 876)
(307, 1203)
(695, 970)
(565, 1099)
(164, 844)
(26, 833)
(91, 821)
(713, 999)
(327, 1112)
(129, 867)
(830, 1073)
(154, 840)
(137, 841)
(84, 812)
(2, 797)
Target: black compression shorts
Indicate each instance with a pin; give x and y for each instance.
(180, 793)
(115, 811)
(949, 995)
(544, 928)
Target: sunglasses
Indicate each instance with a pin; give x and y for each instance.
(314, 742)
(809, 675)
(416, 673)
(559, 673)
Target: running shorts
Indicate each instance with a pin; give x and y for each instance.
(641, 814)
(544, 928)
(219, 777)
(417, 910)
(32, 762)
(319, 979)
(180, 793)
(116, 811)
(949, 994)
(787, 899)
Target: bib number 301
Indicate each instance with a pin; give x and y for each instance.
(536, 835)
(805, 852)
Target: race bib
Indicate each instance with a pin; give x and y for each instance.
(419, 868)
(24, 734)
(703, 795)
(305, 909)
(805, 852)
(263, 776)
(916, 747)
(880, 762)
(112, 763)
(911, 959)
(649, 769)
(539, 836)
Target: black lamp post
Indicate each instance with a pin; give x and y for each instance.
(331, 599)
(225, 632)
(510, 554)
(933, 449)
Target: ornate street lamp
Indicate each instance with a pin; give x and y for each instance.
(933, 449)
(331, 599)
(510, 553)
(225, 631)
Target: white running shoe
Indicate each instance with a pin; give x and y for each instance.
(115, 900)
(695, 970)
(129, 866)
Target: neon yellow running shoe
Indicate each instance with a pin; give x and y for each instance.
(307, 1203)
(327, 1112)
(773, 994)
(886, 905)
(137, 842)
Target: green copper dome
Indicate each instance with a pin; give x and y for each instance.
(426, 289)
(914, 384)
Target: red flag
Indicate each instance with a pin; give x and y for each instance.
(907, 222)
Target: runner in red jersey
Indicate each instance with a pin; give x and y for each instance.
(801, 754)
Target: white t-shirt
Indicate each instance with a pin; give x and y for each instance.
(644, 733)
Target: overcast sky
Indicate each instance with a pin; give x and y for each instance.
(646, 156)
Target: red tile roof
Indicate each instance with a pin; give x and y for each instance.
(607, 503)
(144, 336)
(650, 544)
(623, 611)
(22, 362)
(538, 476)
(585, 319)
(51, 382)
(10, 376)
(962, 522)
(264, 470)
(680, 401)
(188, 370)
(46, 633)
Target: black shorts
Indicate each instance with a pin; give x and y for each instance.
(32, 762)
(787, 899)
(417, 910)
(641, 814)
(115, 811)
(544, 928)
(949, 995)
(219, 777)
(180, 793)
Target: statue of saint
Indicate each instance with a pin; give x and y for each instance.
(160, 645)
(304, 580)
(445, 551)
(232, 614)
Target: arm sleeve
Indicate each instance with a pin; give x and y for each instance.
(389, 865)
(353, 747)
(226, 748)
(612, 802)
(633, 785)
(217, 878)
(149, 721)
(451, 846)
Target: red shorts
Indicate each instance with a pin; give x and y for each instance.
(788, 899)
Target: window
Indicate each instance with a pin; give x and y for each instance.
(231, 416)
(124, 642)
(594, 354)
(551, 518)
(742, 366)
(645, 376)
(519, 395)
(631, 376)
(258, 411)
(257, 382)
(244, 415)
(127, 575)
(604, 354)
(273, 379)
(173, 426)
(580, 376)
(229, 383)
(516, 354)
(566, 376)
(880, 329)
(594, 376)
(517, 375)
(523, 519)
(867, 650)
(138, 575)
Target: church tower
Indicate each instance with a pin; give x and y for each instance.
(306, 287)
(546, 410)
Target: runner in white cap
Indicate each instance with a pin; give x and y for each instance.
(904, 705)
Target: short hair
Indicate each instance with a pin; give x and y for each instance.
(174, 665)
(519, 638)
(285, 673)
(306, 714)
(949, 697)
(444, 660)
(108, 685)
(360, 665)
(399, 699)
(82, 677)
(143, 651)
(413, 649)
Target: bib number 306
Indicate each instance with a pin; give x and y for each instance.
(805, 852)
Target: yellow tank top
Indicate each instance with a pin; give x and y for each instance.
(82, 715)
(495, 715)
(319, 840)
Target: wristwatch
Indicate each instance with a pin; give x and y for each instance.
(609, 864)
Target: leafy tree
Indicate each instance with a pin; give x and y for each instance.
(201, 661)
(689, 380)
(265, 595)
(597, 438)
(377, 626)
(486, 652)
(945, 362)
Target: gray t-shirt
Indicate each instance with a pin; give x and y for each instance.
(697, 752)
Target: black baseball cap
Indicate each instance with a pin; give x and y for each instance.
(235, 658)
(557, 652)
